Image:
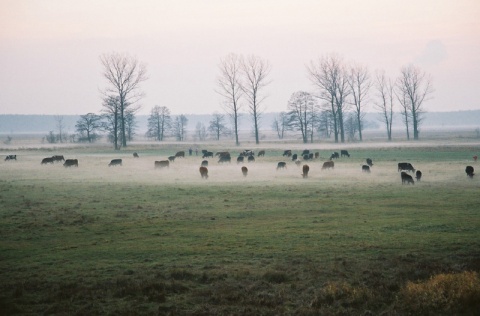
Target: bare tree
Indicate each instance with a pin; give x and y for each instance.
(414, 88)
(180, 127)
(159, 122)
(351, 126)
(255, 72)
(385, 95)
(111, 116)
(217, 126)
(130, 124)
(229, 87)
(302, 114)
(360, 83)
(124, 75)
(280, 124)
(87, 126)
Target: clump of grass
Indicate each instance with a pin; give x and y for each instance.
(275, 277)
(342, 293)
(455, 292)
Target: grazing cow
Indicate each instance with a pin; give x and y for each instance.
(204, 172)
(11, 157)
(328, 165)
(366, 168)
(305, 152)
(317, 155)
(282, 165)
(287, 153)
(58, 158)
(294, 157)
(204, 163)
(248, 152)
(225, 158)
(469, 170)
(180, 154)
(405, 166)
(207, 154)
(305, 170)
(344, 153)
(418, 175)
(240, 159)
(369, 162)
(172, 158)
(47, 160)
(334, 155)
(162, 164)
(261, 153)
(135, 155)
(244, 171)
(406, 178)
(115, 162)
(222, 153)
(475, 158)
(310, 156)
(71, 163)
(251, 159)
(306, 157)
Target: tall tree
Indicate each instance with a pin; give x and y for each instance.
(414, 88)
(87, 126)
(217, 125)
(280, 124)
(385, 97)
(124, 75)
(130, 124)
(111, 123)
(230, 88)
(255, 73)
(360, 83)
(180, 127)
(159, 122)
(302, 114)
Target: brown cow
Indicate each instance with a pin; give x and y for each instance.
(281, 165)
(305, 170)
(162, 164)
(204, 172)
(244, 171)
(328, 165)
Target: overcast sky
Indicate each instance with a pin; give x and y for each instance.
(49, 49)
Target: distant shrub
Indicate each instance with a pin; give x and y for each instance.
(443, 292)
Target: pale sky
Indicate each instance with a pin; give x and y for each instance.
(49, 49)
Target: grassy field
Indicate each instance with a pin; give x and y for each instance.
(99, 240)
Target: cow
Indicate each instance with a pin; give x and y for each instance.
(115, 162)
(47, 160)
(207, 154)
(222, 154)
(247, 152)
(244, 171)
(225, 158)
(475, 158)
(305, 170)
(58, 158)
(70, 163)
(287, 153)
(281, 165)
(366, 168)
(204, 163)
(344, 153)
(310, 156)
(240, 159)
(11, 157)
(162, 164)
(172, 158)
(405, 166)
(317, 155)
(261, 153)
(135, 155)
(334, 155)
(305, 152)
(406, 178)
(251, 159)
(294, 157)
(328, 165)
(469, 170)
(306, 157)
(204, 172)
(180, 154)
(369, 162)
(418, 175)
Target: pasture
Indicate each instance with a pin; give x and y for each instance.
(132, 239)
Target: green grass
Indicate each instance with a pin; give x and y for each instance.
(127, 240)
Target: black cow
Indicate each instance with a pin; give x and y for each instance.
(306, 157)
(305, 152)
(369, 162)
(251, 159)
(11, 157)
(287, 153)
(334, 155)
(162, 164)
(207, 154)
(240, 159)
(180, 154)
(135, 155)
(115, 162)
(47, 160)
(172, 158)
(225, 158)
(244, 171)
(366, 168)
(469, 170)
(58, 158)
(406, 178)
(317, 155)
(344, 153)
(71, 163)
(261, 153)
(282, 165)
(405, 166)
(294, 157)
(305, 170)
(204, 163)
(418, 175)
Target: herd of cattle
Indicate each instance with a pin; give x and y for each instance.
(224, 157)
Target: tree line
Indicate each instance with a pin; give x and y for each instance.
(343, 91)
